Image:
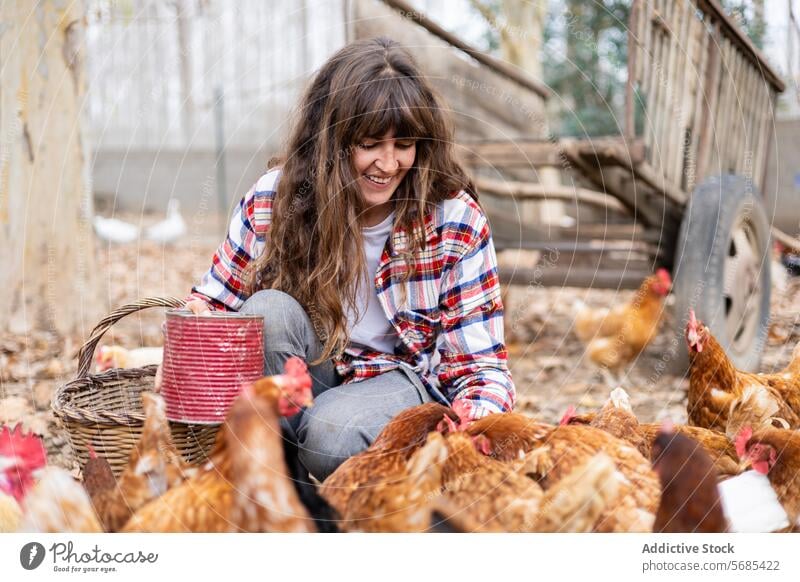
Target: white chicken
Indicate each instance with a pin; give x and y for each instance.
(170, 229)
(115, 230)
(118, 357)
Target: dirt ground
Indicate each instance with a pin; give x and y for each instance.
(546, 358)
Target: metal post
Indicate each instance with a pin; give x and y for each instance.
(219, 145)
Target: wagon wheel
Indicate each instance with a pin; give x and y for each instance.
(722, 268)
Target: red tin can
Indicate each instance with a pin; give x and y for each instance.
(207, 359)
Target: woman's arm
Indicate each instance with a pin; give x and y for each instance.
(222, 287)
(473, 367)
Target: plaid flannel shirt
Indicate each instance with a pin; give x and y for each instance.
(451, 323)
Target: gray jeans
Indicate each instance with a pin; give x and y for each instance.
(345, 418)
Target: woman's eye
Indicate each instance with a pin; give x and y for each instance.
(404, 145)
(366, 146)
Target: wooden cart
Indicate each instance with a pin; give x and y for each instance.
(688, 168)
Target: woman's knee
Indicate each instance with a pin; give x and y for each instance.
(285, 319)
(329, 435)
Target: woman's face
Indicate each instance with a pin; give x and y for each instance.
(381, 164)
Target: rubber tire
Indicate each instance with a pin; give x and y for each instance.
(705, 234)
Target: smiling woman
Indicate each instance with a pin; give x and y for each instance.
(367, 254)
(381, 164)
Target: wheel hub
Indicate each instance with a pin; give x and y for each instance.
(742, 285)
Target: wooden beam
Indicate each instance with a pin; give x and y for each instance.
(515, 74)
(528, 190)
(595, 278)
(743, 42)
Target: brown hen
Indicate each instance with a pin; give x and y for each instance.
(387, 457)
(690, 501)
(552, 453)
(716, 387)
(775, 453)
(154, 467)
(246, 471)
(614, 337)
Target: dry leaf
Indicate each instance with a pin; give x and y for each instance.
(13, 409)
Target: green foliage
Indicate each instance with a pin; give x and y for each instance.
(749, 16)
(585, 54)
(585, 64)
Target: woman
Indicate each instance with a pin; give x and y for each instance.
(368, 255)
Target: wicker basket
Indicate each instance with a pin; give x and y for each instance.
(105, 410)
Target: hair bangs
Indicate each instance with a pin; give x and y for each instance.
(391, 104)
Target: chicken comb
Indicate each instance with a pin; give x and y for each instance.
(24, 446)
(296, 369)
(693, 333)
(569, 414)
(447, 425)
(741, 441)
(664, 276)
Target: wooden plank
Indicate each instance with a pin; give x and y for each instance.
(654, 86)
(711, 91)
(537, 153)
(760, 109)
(722, 129)
(743, 43)
(575, 277)
(633, 53)
(408, 11)
(528, 191)
(647, 51)
(685, 71)
(738, 145)
(748, 142)
(764, 141)
(665, 90)
(697, 120)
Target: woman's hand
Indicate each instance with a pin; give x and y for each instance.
(198, 307)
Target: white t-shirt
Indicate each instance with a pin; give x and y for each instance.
(373, 330)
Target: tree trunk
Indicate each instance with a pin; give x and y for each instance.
(46, 239)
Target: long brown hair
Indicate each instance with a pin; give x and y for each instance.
(314, 250)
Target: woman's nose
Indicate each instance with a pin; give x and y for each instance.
(387, 161)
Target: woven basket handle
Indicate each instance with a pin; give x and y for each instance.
(86, 353)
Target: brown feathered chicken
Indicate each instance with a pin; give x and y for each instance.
(552, 453)
(716, 386)
(404, 501)
(154, 467)
(386, 458)
(502, 498)
(617, 418)
(761, 405)
(614, 337)
(97, 474)
(690, 501)
(494, 494)
(775, 453)
(716, 445)
(244, 486)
